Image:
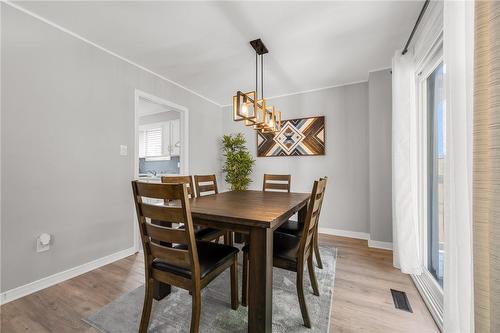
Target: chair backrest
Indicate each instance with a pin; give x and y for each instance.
(205, 184)
(276, 183)
(188, 180)
(152, 235)
(321, 204)
(312, 217)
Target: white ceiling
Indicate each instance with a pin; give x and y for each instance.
(204, 45)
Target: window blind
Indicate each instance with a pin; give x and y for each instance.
(153, 142)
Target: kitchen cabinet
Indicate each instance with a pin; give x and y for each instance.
(175, 137)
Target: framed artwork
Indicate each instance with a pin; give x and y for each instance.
(297, 137)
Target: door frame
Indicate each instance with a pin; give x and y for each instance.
(184, 158)
(428, 287)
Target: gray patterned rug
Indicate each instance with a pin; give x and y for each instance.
(173, 313)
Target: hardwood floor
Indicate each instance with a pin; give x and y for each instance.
(362, 299)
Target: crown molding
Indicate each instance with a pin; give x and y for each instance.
(309, 91)
(102, 48)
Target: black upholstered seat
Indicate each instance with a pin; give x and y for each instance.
(285, 247)
(210, 255)
(291, 227)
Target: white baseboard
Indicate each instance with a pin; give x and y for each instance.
(345, 233)
(48, 281)
(357, 235)
(380, 245)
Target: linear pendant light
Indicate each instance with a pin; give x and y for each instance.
(251, 109)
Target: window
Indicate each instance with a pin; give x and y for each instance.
(150, 142)
(436, 152)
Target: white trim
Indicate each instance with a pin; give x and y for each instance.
(357, 235)
(309, 91)
(345, 233)
(102, 48)
(322, 88)
(379, 69)
(380, 245)
(51, 280)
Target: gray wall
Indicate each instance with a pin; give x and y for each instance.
(346, 205)
(380, 128)
(66, 108)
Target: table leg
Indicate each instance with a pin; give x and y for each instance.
(302, 215)
(160, 290)
(260, 281)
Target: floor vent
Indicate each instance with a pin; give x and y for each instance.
(401, 300)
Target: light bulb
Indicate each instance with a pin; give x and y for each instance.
(244, 109)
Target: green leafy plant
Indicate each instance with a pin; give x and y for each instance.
(238, 161)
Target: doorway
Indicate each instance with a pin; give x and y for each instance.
(161, 141)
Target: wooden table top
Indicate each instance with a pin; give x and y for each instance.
(252, 208)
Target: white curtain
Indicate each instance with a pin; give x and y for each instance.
(458, 57)
(404, 165)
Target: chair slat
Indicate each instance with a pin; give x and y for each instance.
(166, 234)
(284, 178)
(173, 256)
(204, 178)
(276, 186)
(206, 188)
(162, 213)
(157, 191)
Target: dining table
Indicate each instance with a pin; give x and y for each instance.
(256, 214)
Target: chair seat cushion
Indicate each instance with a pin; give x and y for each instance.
(205, 233)
(210, 255)
(291, 227)
(285, 246)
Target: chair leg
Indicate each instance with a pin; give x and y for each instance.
(312, 275)
(316, 249)
(234, 284)
(302, 299)
(146, 309)
(244, 283)
(196, 310)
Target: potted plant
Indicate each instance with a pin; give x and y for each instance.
(238, 162)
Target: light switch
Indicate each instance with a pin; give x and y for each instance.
(123, 150)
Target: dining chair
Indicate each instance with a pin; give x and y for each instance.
(291, 252)
(295, 228)
(276, 183)
(206, 184)
(206, 234)
(189, 264)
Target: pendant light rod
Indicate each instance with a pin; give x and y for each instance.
(256, 75)
(262, 76)
(260, 50)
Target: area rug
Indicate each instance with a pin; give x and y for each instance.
(173, 313)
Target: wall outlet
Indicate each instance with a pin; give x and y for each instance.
(123, 150)
(43, 242)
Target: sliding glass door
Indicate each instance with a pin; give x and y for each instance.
(431, 174)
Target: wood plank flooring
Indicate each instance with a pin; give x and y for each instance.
(362, 299)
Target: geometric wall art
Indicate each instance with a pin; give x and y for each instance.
(297, 137)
